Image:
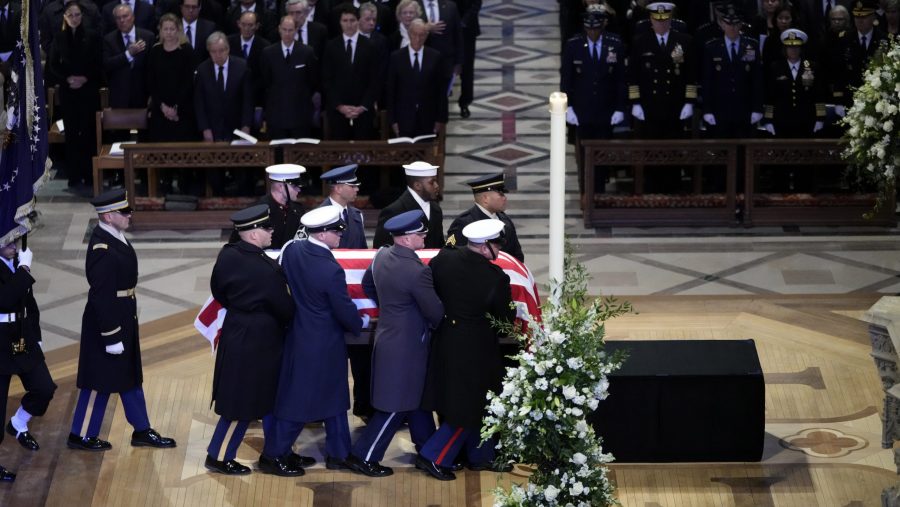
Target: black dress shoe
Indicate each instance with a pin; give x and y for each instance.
(464, 112)
(455, 467)
(24, 438)
(6, 475)
(335, 463)
(279, 466)
(433, 469)
(87, 443)
(150, 438)
(490, 467)
(230, 467)
(369, 468)
(300, 461)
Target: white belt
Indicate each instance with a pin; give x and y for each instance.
(7, 317)
(125, 293)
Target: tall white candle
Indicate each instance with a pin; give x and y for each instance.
(558, 103)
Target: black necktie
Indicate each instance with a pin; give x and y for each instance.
(220, 78)
(862, 42)
(187, 33)
(350, 50)
(246, 50)
(827, 8)
(300, 36)
(287, 54)
(344, 216)
(734, 52)
(416, 61)
(662, 42)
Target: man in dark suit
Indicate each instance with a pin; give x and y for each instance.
(289, 77)
(223, 94)
(490, 202)
(196, 29)
(320, 12)
(350, 83)
(409, 309)
(593, 77)
(247, 44)
(471, 29)
(125, 60)
(465, 361)
(109, 360)
(368, 16)
(416, 87)
(848, 54)
(309, 32)
(20, 353)
(253, 290)
(266, 19)
(313, 385)
(445, 33)
(144, 15)
(422, 192)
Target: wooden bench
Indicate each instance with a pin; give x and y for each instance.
(131, 120)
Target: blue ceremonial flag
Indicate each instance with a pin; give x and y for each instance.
(23, 131)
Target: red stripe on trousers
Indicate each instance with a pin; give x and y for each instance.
(448, 445)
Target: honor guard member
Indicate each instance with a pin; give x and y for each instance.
(422, 192)
(285, 182)
(20, 347)
(490, 202)
(465, 361)
(794, 98)
(732, 80)
(593, 77)
(409, 309)
(344, 189)
(662, 87)
(253, 290)
(109, 359)
(313, 385)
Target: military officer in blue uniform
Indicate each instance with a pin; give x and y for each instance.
(20, 347)
(409, 309)
(344, 189)
(422, 192)
(490, 202)
(794, 96)
(593, 77)
(109, 359)
(285, 183)
(465, 361)
(313, 384)
(254, 292)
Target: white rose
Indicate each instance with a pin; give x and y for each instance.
(579, 400)
(497, 408)
(592, 403)
(875, 82)
(581, 426)
(577, 412)
(541, 384)
(550, 493)
(578, 458)
(879, 106)
(576, 489)
(869, 121)
(569, 392)
(574, 362)
(888, 126)
(879, 152)
(559, 369)
(539, 369)
(557, 337)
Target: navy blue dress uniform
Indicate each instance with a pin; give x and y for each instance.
(489, 183)
(409, 309)
(465, 361)
(408, 202)
(794, 97)
(732, 82)
(283, 218)
(20, 348)
(593, 77)
(253, 290)
(109, 359)
(313, 385)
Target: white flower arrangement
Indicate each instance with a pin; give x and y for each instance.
(540, 416)
(873, 146)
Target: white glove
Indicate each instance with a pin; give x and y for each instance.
(617, 118)
(709, 119)
(755, 117)
(115, 348)
(637, 111)
(840, 111)
(571, 117)
(818, 126)
(686, 112)
(366, 319)
(770, 128)
(25, 258)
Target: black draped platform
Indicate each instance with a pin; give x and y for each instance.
(691, 400)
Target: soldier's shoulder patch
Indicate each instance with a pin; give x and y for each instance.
(451, 241)
(100, 246)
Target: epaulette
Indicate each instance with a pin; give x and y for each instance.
(99, 246)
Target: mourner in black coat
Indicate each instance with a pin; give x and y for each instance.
(416, 87)
(267, 20)
(222, 104)
(422, 192)
(20, 347)
(125, 64)
(490, 202)
(290, 76)
(196, 29)
(109, 359)
(465, 361)
(249, 45)
(253, 290)
(309, 32)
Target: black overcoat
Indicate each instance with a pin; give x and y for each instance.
(16, 296)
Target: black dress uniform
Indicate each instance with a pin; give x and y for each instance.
(495, 183)
(283, 218)
(732, 85)
(20, 350)
(794, 104)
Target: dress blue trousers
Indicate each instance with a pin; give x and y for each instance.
(91, 407)
(382, 427)
(447, 441)
(285, 433)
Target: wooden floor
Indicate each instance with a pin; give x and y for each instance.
(821, 384)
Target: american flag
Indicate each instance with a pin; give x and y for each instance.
(355, 262)
(23, 159)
